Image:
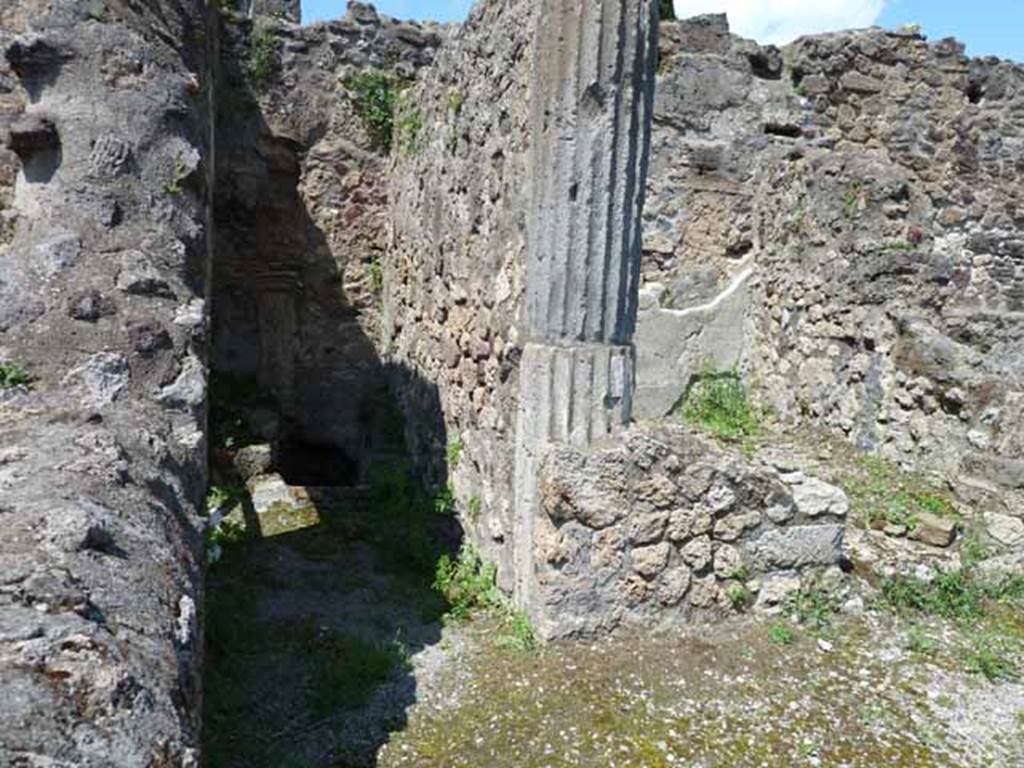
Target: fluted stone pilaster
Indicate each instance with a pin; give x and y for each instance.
(593, 90)
(591, 113)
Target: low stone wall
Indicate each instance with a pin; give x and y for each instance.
(103, 258)
(666, 527)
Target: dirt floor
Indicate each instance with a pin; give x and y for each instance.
(327, 646)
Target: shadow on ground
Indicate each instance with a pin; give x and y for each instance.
(309, 632)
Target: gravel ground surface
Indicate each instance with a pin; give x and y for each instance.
(327, 649)
(853, 696)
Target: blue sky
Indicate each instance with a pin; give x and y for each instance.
(989, 27)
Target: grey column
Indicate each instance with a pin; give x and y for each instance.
(593, 92)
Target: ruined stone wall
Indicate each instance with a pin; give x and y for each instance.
(302, 227)
(454, 273)
(665, 527)
(103, 260)
(842, 219)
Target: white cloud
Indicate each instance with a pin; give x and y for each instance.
(780, 21)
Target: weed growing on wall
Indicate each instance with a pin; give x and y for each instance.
(375, 99)
(263, 60)
(454, 452)
(13, 375)
(410, 129)
(176, 177)
(223, 531)
(718, 403)
(467, 583)
(470, 587)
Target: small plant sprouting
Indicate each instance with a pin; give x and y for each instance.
(918, 641)
(95, 10)
(179, 172)
(455, 100)
(222, 499)
(263, 61)
(454, 452)
(738, 595)
(14, 375)
(444, 501)
(972, 548)
(853, 199)
(376, 278)
(410, 129)
(718, 402)
(519, 635)
(780, 633)
(990, 655)
(796, 223)
(473, 508)
(812, 606)
(899, 246)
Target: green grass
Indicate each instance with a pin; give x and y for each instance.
(950, 595)
(375, 99)
(813, 607)
(988, 613)
(14, 375)
(469, 586)
(882, 493)
(337, 671)
(403, 529)
(957, 594)
(993, 656)
(920, 642)
(718, 403)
